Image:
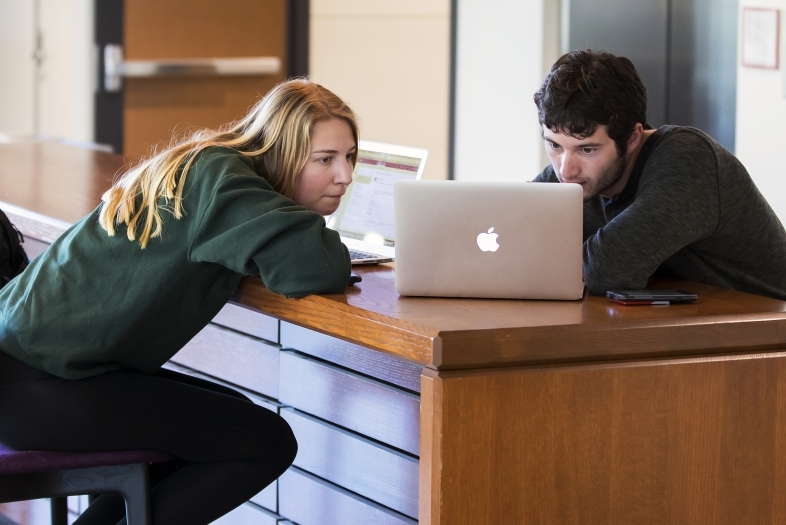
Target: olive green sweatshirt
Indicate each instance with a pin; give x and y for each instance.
(92, 303)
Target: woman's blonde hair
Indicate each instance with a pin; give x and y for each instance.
(275, 133)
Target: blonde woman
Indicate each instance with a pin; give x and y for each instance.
(85, 329)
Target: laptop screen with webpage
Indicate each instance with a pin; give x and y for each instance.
(365, 217)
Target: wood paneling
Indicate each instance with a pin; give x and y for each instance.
(233, 357)
(360, 404)
(355, 357)
(697, 441)
(157, 108)
(309, 500)
(430, 481)
(248, 321)
(359, 465)
(196, 29)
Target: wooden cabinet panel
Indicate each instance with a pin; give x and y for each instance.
(230, 356)
(401, 372)
(248, 322)
(248, 514)
(698, 441)
(308, 500)
(155, 30)
(365, 406)
(384, 475)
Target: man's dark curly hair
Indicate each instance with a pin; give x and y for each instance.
(586, 89)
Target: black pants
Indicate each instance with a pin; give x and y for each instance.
(228, 448)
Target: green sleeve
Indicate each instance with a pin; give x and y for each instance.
(251, 229)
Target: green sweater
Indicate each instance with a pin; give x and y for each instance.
(92, 303)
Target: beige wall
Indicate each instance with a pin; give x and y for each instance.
(17, 67)
(55, 97)
(390, 61)
(67, 73)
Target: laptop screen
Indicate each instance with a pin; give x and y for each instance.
(366, 210)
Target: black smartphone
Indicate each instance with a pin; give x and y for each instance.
(655, 297)
(354, 278)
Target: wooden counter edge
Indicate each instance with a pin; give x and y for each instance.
(321, 313)
(504, 347)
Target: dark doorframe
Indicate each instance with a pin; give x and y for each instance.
(108, 116)
(452, 90)
(298, 14)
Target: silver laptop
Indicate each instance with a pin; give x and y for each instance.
(512, 240)
(365, 217)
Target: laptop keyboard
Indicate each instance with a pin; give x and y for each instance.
(359, 256)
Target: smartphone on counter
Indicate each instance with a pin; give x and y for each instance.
(354, 278)
(653, 297)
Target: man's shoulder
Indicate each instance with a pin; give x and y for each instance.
(670, 138)
(547, 175)
(678, 152)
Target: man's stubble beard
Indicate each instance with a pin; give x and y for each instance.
(607, 178)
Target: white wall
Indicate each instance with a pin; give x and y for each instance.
(390, 61)
(63, 100)
(761, 114)
(17, 67)
(503, 52)
(67, 71)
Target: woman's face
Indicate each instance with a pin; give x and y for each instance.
(328, 170)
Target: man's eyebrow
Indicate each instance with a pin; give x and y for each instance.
(585, 145)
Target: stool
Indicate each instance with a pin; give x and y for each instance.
(26, 475)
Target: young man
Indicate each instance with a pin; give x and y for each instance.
(670, 201)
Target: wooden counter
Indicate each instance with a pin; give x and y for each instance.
(530, 411)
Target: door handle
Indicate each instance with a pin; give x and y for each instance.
(115, 67)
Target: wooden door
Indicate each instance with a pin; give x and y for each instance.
(154, 107)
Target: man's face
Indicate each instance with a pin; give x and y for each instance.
(593, 162)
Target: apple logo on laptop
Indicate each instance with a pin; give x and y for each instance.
(487, 242)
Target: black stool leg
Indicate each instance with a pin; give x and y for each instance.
(59, 508)
(136, 493)
(130, 481)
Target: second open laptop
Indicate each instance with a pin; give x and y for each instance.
(512, 240)
(365, 217)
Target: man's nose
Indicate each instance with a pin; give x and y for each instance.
(570, 168)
